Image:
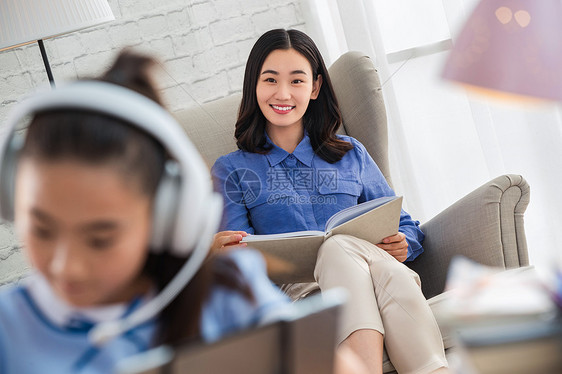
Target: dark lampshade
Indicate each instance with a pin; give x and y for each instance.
(511, 46)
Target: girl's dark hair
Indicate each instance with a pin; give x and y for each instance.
(322, 117)
(98, 139)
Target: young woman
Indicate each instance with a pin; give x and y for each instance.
(286, 135)
(85, 190)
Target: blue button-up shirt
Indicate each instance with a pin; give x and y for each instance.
(283, 192)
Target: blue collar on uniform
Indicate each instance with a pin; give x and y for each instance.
(303, 152)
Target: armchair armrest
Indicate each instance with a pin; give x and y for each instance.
(486, 226)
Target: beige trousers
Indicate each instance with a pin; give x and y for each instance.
(384, 295)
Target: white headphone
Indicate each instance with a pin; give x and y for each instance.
(186, 212)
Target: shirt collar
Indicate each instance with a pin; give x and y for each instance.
(303, 152)
(63, 314)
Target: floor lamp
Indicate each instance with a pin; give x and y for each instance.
(511, 48)
(25, 22)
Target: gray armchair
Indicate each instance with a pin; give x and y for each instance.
(486, 225)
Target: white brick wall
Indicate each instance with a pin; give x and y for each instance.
(203, 45)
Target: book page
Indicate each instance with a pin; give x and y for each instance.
(355, 211)
(254, 238)
(375, 225)
(300, 252)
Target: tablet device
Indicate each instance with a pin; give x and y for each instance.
(303, 341)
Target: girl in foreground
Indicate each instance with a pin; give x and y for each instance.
(286, 135)
(86, 209)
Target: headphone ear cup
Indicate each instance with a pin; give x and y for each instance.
(9, 153)
(207, 225)
(165, 205)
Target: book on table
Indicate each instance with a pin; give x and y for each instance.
(372, 221)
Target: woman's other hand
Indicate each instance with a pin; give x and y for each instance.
(396, 246)
(225, 240)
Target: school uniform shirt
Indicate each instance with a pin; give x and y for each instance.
(39, 333)
(282, 192)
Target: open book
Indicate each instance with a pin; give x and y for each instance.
(372, 220)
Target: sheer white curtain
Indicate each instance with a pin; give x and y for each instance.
(443, 143)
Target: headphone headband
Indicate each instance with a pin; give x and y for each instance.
(141, 112)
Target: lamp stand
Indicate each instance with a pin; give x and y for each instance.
(46, 62)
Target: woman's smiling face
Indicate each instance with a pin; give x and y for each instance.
(285, 87)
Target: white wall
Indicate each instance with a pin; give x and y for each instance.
(203, 45)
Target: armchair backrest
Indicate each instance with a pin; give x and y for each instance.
(358, 90)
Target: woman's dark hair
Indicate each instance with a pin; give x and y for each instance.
(322, 117)
(98, 139)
